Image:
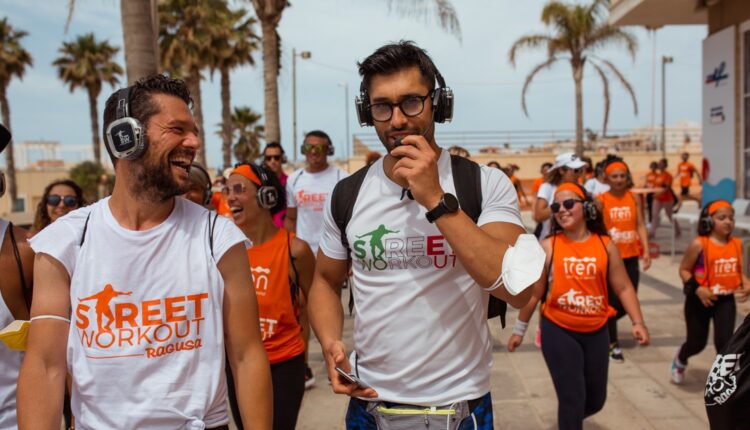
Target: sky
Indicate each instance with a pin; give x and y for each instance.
(339, 33)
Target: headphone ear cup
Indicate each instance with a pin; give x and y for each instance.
(283, 159)
(331, 149)
(363, 109)
(437, 105)
(590, 210)
(267, 197)
(126, 139)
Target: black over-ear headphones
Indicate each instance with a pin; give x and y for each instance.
(267, 195)
(590, 211)
(207, 189)
(706, 221)
(442, 102)
(125, 135)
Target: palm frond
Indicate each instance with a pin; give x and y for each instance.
(605, 88)
(620, 77)
(606, 35)
(443, 10)
(531, 41)
(557, 15)
(530, 77)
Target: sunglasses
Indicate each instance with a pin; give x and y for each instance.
(68, 201)
(236, 189)
(567, 204)
(577, 171)
(273, 157)
(314, 149)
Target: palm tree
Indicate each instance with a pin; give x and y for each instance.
(231, 48)
(578, 31)
(141, 47)
(13, 62)
(269, 14)
(185, 39)
(248, 133)
(87, 63)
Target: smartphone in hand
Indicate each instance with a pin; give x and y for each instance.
(351, 379)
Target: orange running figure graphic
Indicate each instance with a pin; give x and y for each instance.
(102, 305)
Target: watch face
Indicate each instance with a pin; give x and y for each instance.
(451, 202)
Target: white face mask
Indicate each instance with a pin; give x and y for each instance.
(522, 264)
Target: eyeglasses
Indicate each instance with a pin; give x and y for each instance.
(272, 157)
(314, 149)
(567, 204)
(577, 171)
(236, 189)
(410, 106)
(68, 201)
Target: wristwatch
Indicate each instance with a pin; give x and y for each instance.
(448, 205)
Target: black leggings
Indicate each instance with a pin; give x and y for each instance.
(578, 364)
(288, 380)
(698, 318)
(634, 273)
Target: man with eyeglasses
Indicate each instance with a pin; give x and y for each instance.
(422, 267)
(16, 268)
(308, 188)
(274, 158)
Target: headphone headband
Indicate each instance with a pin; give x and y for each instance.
(123, 103)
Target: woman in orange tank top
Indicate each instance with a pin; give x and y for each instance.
(711, 271)
(282, 266)
(581, 261)
(623, 218)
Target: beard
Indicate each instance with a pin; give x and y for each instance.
(154, 182)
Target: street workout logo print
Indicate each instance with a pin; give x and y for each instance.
(722, 380)
(401, 253)
(115, 328)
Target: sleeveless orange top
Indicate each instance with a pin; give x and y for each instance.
(536, 184)
(577, 298)
(722, 265)
(651, 180)
(621, 220)
(269, 263)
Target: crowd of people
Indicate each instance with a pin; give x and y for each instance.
(178, 294)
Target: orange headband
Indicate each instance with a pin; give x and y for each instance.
(715, 206)
(617, 165)
(245, 171)
(573, 188)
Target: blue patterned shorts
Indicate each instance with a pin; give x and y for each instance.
(357, 417)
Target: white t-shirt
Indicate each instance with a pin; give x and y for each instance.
(308, 192)
(420, 328)
(146, 341)
(594, 187)
(10, 361)
(546, 192)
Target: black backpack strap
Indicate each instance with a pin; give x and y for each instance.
(211, 228)
(17, 254)
(85, 228)
(293, 283)
(343, 198)
(467, 179)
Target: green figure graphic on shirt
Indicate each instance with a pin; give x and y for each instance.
(376, 240)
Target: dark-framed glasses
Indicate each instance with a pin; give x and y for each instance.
(410, 106)
(567, 204)
(236, 189)
(272, 157)
(68, 201)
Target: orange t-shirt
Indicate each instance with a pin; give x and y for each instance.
(536, 184)
(621, 220)
(577, 298)
(269, 263)
(664, 180)
(685, 170)
(651, 180)
(722, 265)
(220, 204)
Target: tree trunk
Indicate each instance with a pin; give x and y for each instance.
(194, 85)
(270, 81)
(226, 119)
(95, 128)
(139, 29)
(578, 78)
(9, 160)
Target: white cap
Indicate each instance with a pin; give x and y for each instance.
(227, 172)
(568, 159)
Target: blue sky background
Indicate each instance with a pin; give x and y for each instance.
(341, 32)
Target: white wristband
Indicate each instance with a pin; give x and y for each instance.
(50, 317)
(519, 328)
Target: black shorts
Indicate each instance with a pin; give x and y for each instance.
(684, 191)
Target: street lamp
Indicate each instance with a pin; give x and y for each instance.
(304, 55)
(664, 61)
(346, 118)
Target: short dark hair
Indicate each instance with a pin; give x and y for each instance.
(140, 103)
(319, 133)
(274, 145)
(546, 164)
(394, 57)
